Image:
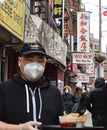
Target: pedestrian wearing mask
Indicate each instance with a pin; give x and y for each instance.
(67, 99)
(94, 102)
(29, 98)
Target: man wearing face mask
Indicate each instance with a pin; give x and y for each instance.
(29, 99)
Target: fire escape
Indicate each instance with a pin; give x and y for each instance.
(43, 9)
(70, 23)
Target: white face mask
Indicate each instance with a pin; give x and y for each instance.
(34, 70)
(66, 91)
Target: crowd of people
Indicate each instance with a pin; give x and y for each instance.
(29, 99)
(92, 101)
(74, 102)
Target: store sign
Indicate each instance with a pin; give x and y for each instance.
(32, 25)
(57, 49)
(90, 69)
(104, 13)
(12, 17)
(83, 21)
(57, 15)
(74, 68)
(38, 30)
(68, 67)
(81, 77)
(71, 68)
(82, 58)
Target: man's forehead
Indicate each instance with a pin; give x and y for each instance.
(34, 55)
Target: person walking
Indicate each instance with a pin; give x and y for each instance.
(104, 104)
(29, 98)
(94, 102)
(67, 99)
(79, 100)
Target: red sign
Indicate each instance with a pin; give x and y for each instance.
(74, 68)
(105, 13)
(83, 31)
(68, 67)
(71, 68)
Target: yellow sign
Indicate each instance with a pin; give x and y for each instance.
(12, 17)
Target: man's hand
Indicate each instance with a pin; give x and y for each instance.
(31, 125)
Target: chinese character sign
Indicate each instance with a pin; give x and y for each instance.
(57, 15)
(83, 22)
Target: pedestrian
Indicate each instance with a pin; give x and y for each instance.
(67, 99)
(79, 100)
(104, 105)
(94, 102)
(29, 98)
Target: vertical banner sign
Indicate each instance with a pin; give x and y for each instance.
(57, 15)
(83, 32)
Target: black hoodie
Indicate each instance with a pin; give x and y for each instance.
(22, 101)
(94, 101)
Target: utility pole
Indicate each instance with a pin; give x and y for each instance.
(100, 38)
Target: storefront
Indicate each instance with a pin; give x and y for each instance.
(28, 29)
(12, 24)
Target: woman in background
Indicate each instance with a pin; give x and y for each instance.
(79, 100)
(67, 99)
